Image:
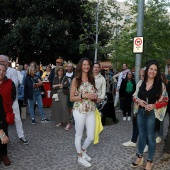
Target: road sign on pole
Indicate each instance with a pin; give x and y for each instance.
(138, 45)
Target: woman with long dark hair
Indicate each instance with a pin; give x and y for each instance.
(127, 88)
(150, 101)
(83, 94)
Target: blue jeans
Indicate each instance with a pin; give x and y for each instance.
(146, 128)
(36, 98)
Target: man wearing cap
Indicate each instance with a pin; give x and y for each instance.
(59, 62)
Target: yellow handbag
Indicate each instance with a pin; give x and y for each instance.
(98, 127)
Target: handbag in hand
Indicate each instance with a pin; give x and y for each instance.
(55, 97)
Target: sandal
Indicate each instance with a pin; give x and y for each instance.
(149, 161)
(59, 125)
(133, 165)
(68, 127)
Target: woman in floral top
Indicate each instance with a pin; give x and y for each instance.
(83, 94)
(150, 101)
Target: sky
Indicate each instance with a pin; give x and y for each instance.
(145, 2)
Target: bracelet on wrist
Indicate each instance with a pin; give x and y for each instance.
(81, 96)
(1, 136)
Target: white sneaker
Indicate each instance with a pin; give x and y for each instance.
(129, 118)
(85, 156)
(83, 162)
(146, 148)
(158, 140)
(124, 118)
(129, 143)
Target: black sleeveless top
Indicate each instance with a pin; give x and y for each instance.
(143, 94)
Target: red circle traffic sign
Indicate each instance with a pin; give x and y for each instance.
(138, 42)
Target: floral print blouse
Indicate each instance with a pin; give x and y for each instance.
(85, 105)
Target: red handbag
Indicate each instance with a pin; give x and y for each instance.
(10, 118)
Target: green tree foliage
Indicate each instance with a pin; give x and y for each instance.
(108, 14)
(156, 34)
(41, 30)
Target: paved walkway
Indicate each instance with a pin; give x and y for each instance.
(52, 148)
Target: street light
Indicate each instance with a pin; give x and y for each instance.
(116, 31)
(97, 31)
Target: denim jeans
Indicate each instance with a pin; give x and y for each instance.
(36, 98)
(146, 128)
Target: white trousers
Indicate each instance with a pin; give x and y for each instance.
(116, 99)
(18, 122)
(82, 120)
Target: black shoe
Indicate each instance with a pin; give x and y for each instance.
(6, 160)
(33, 121)
(45, 120)
(24, 141)
(117, 121)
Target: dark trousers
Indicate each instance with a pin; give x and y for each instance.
(127, 104)
(135, 132)
(108, 110)
(121, 104)
(3, 147)
(167, 140)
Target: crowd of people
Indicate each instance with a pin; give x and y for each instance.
(76, 94)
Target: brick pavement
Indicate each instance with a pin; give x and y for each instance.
(52, 148)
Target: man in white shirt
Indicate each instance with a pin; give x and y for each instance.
(100, 82)
(115, 77)
(121, 76)
(12, 74)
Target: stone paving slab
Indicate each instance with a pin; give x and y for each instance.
(52, 148)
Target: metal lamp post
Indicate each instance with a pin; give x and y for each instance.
(97, 31)
(117, 10)
(140, 22)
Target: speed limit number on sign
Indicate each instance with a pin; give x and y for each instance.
(138, 45)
